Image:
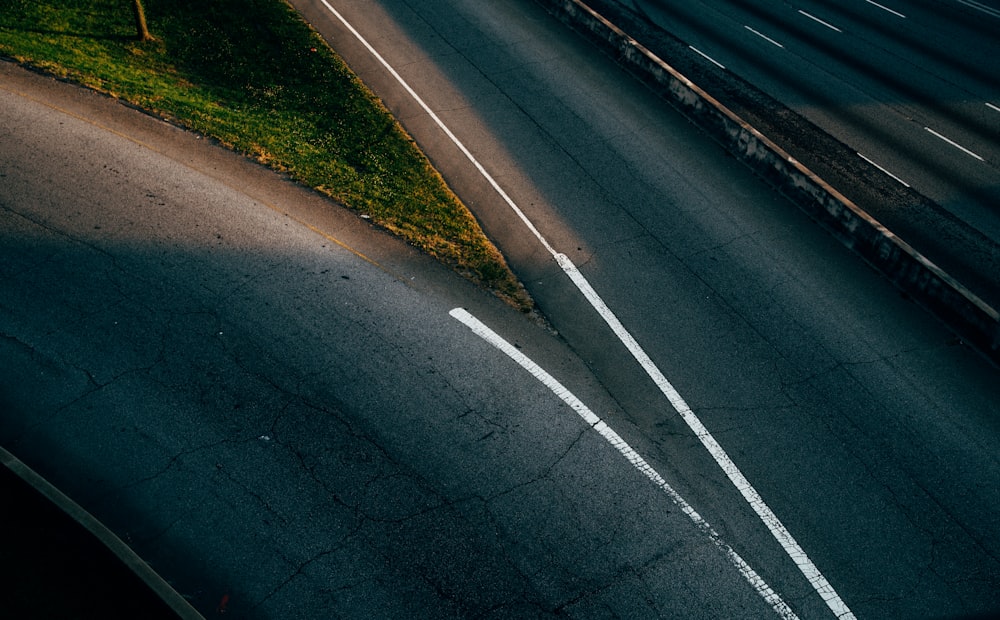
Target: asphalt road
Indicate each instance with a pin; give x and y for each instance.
(909, 86)
(281, 425)
(866, 428)
(274, 406)
(912, 86)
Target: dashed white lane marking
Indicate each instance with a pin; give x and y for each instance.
(884, 170)
(765, 37)
(992, 107)
(774, 525)
(979, 6)
(820, 21)
(954, 144)
(633, 457)
(885, 8)
(707, 57)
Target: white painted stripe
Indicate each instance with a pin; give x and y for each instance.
(979, 6)
(794, 551)
(954, 144)
(883, 170)
(633, 457)
(707, 57)
(991, 106)
(765, 37)
(820, 21)
(750, 494)
(451, 136)
(885, 8)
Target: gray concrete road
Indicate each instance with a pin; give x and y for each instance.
(271, 402)
(865, 428)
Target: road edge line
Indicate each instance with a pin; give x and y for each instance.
(765, 591)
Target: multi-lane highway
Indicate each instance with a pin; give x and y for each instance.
(772, 375)
(915, 87)
(911, 87)
(726, 414)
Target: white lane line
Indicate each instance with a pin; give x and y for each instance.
(765, 37)
(979, 6)
(820, 21)
(437, 121)
(750, 494)
(778, 531)
(954, 144)
(885, 8)
(756, 581)
(707, 57)
(883, 170)
(993, 107)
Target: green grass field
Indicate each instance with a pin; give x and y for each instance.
(253, 75)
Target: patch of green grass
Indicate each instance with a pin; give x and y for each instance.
(255, 76)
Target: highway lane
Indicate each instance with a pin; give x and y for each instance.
(275, 406)
(870, 434)
(911, 86)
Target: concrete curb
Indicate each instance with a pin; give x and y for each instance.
(971, 318)
(129, 559)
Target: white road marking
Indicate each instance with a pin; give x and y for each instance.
(820, 21)
(633, 457)
(954, 144)
(707, 57)
(979, 6)
(885, 8)
(993, 107)
(437, 121)
(765, 37)
(750, 494)
(883, 170)
(774, 525)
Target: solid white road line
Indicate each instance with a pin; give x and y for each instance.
(885, 8)
(774, 525)
(633, 457)
(750, 494)
(706, 57)
(954, 144)
(883, 170)
(992, 107)
(765, 37)
(437, 121)
(820, 21)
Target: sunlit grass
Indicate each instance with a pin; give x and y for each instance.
(253, 75)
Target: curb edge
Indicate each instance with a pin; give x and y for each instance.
(105, 536)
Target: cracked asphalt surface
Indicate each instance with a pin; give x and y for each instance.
(868, 428)
(197, 356)
(283, 428)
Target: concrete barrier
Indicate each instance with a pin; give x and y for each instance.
(971, 318)
(57, 549)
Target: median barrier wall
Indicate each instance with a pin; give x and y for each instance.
(971, 318)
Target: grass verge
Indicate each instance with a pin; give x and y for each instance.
(253, 75)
